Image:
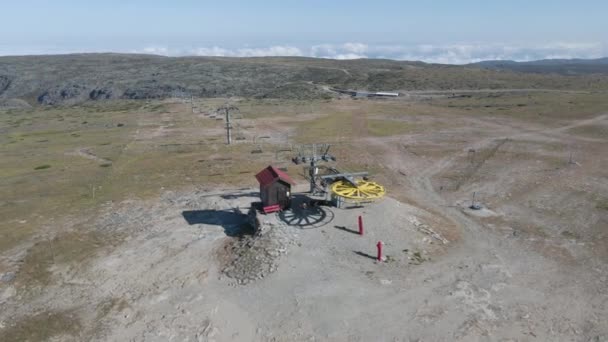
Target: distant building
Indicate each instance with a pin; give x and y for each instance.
(360, 93)
(387, 94)
(275, 187)
(375, 94)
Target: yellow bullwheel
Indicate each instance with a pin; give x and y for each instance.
(364, 191)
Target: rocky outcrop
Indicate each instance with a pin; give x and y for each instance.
(5, 82)
(100, 94)
(62, 94)
(152, 90)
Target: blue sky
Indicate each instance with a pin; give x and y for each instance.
(434, 31)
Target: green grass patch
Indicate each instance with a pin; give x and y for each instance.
(328, 128)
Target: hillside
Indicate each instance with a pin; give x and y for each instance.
(67, 79)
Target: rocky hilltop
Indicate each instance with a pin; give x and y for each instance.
(68, 79)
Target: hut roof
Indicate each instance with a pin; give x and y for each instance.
(271, 174)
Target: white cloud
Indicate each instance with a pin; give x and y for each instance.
(431, 53)
(346, 56)
(357, 48)
(155, 50)
(323, 50)
(213, 51)
(271, 51)
(339, 51)
(246, 52)
(453, 53)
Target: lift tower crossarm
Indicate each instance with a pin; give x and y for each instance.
(313, 159)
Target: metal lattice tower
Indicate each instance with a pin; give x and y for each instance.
(313, 154)
(228, 110)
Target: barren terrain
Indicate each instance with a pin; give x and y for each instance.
(127, 221)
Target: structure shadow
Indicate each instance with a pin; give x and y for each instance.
(363, 254)
(307, 213)
(234, 222)
(236, 193)
(352, 231)
(353, 206)
(240, 194)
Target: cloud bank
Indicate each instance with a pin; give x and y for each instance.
(462, 53)
(445, 54)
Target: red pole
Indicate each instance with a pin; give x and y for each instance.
(379, 245)
(360, 225)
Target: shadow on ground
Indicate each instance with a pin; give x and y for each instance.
(241, 194)
(233, 221)
(307, 213)
(238, 193)
(348, 230)
(363, 254)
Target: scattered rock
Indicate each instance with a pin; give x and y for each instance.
(253, 257)
(427, 230)
(7, 277)
(417, 258)
(7, 294)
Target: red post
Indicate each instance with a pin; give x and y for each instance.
(379, 245)
(360, 225)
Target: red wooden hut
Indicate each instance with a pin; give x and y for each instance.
(275, 188)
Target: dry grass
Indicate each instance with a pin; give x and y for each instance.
(164, 145)
(541, 107)
(42, 327)
(71, 248)
(602, 204)
(598, 131)
(382, 128)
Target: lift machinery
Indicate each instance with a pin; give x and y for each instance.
(345, 187)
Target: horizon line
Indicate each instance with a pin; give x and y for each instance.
(123, 53)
